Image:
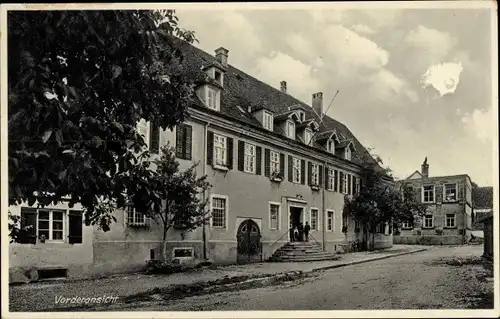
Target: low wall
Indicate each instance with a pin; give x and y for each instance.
(428, 240)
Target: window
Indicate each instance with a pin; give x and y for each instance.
(357, 186)
(268, 121)
(406, 224)
(347, 154)
(249, 163)
(135, 218)
(314, 219)
(335, 180)
(275, 162)
(329, 220)
(344, 183)
(274, 216)
(296, 170)
(307, 136)
(219, 211)
(302, 116)
(315, 174)
(218, 77)
(450, 221)
(428, 194)
(450, 192)
(290, 129)
(212, 99)
(51, 224)
(428, 221)
(330, 146)
(220, 149)
(331, 178)
(184, 141)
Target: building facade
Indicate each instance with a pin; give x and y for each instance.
(273, 162)
(449, 217)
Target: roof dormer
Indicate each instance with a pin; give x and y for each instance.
(265, 117)
(345, 149)
(329, 140)
(306, 130)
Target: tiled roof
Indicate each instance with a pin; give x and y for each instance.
(482, 197)
(243, 90)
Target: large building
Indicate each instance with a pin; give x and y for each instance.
(449, 217)
(273, 161)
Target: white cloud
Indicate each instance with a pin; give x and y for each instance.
(327, 16)
(362, 29)
(433, 43)
(279, 66)
(444, 77)
(351, 51)
(480, 122)
(299, 44)
(386, 86)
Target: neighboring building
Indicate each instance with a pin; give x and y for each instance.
(482, 205)
(273, 161)
(487, 221)
(449, 217)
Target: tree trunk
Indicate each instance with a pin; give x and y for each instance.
(364, 243)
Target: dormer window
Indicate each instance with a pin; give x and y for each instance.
(268, 121)
(330, 146)
(290, 129)
(218, 77)
(347, 154)
(302, 116)
(308, 136)
(213, 99)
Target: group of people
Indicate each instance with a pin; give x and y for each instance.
(300, 232)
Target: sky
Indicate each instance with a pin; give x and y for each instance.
(413, 83)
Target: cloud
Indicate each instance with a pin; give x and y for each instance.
(279, 66)
(386, 86)
(327, 16)
(299, 44)
(480, 122)
(433, 43)
(362, 29)
(443, 77)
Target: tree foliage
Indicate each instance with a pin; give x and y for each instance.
(78, 83)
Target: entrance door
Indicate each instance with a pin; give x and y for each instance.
(295, 216)
(248, 238)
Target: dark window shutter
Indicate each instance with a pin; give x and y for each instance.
(349, 184)
(341, 181)
(320, 178)
(309, 173)
(210, 148)
(75, 228)
(335, 180)
(327, 177)
(28, 218)
(258, 160)
(282, 165)
(290, 168)
(354, 178)
(154, 138)
(303, 172)
(179, 141)
(188, 141)
(267, 162)
(241, 155)
(229, 157)
(418, 194)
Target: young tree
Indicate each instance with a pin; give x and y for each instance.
(380, 200)
(78, 83)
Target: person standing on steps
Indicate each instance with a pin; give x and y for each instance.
(296, 233)
(301, 232)
(292, 234)
(307, 228)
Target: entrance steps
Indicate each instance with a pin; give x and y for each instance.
(301, 251)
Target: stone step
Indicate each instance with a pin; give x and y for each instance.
(303, 259)
(301, 253)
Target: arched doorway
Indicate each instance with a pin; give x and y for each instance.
(249, 245)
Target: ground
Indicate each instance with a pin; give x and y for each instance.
(441, 277)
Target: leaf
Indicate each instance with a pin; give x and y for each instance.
(117, 70)
(62, 175)
(46, 135)
(96, 141)
(118, 126)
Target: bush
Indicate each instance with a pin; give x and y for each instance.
(424, 240)
(164, 267)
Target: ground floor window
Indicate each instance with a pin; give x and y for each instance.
(428, 221)
(314, 219)
(219, 211)
(329, 220)
(406, 224)
(450, 220)
(134, 217)
(274, 216)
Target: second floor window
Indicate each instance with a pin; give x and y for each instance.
(315, 174)
(220, 149)
(428, 194)
(296, 170)
(275, 162)
(344, 183)
(249, 164)
(331, 178)
(268, 121)
(450, 192)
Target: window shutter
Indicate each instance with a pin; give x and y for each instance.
(290, 168)
(267, 162)
(349, 184)
(327, 177)
(335, 180)
(303, 172)
(210, 148)
(188, 141)
(320, 177)
(341, 181)
(354, 178)
(75, 228)
(154, 138)
(241, 155)
(439, 194)
(28, 218)
(258, 160)
(179, 139)
(461, 192)
(229, 157)
(282, 165)
(418, 193)
(309, 173)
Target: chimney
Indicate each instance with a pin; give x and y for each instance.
(221, 55)
(283, 86)
(425, 168)
(317, 103)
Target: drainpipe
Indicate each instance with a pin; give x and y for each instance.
(323, 206)
(204, 161)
